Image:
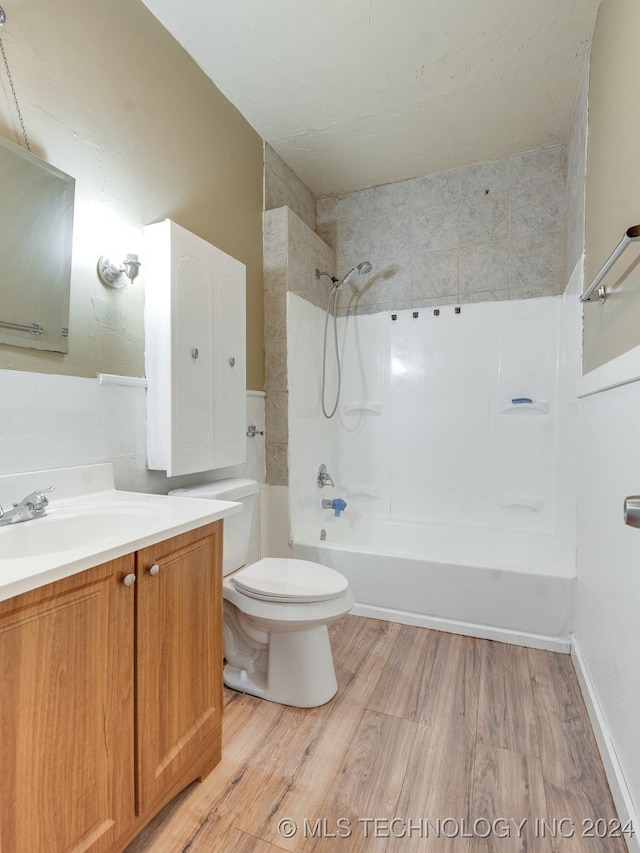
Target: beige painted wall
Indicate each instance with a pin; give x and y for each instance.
(613, 180)
(109, 97)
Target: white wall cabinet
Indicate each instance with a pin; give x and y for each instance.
(195, 331)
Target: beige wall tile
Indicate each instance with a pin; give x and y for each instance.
(484, 178)
(538, 167)
(277, 458)
(282, 187)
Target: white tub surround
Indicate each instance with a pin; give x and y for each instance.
(460, 497)
(88, 522)
(427, 429)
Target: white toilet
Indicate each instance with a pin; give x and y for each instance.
(276, 612)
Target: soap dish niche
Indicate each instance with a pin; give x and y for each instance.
(374, 492)
(521, 503)
(362, 409)
(524, 406)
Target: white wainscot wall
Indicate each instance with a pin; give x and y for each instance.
(50, 421)
(607, 637)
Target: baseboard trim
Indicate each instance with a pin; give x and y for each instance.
(468, 629)
(615, 776)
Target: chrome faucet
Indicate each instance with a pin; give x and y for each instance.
(33, 506)
(324, 478)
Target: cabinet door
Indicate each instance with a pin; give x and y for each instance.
(66, 714)
(229, 355)
(192, 382)
(179, 663)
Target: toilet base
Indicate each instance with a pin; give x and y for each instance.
(300, 670)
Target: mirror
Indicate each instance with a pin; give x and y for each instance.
(36, 234)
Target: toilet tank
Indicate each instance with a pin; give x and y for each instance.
(237, 527)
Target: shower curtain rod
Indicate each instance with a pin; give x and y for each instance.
(630, 236)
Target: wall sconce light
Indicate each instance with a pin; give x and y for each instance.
(112, 275)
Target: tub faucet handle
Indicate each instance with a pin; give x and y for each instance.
(324, 478)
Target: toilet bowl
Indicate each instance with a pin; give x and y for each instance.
(276, 612)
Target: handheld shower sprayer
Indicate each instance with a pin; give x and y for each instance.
(362, 269)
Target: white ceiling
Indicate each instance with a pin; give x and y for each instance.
(355, 93)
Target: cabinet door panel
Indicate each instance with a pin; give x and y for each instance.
(192, 374)
(179, 676)
(66, 714)
(230, 360)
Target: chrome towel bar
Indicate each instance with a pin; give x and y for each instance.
(34, 328)
(630, 236)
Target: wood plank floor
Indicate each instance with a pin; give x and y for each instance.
(434, 742)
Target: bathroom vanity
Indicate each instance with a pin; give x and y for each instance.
(111, 676)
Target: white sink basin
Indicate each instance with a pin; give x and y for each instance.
(68, 530)
(88, 522)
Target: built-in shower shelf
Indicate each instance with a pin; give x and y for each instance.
(535, 407)
(365, 492)
(520, 503)
(362, 409)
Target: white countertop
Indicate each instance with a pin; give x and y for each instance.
(88, 522)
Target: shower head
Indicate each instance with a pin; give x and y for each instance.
(363, 268)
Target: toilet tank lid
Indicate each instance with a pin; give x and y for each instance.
(230, 489)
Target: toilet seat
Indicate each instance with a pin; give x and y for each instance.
(289, 581)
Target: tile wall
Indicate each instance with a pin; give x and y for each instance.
(283, 187)
(292, 253)
(485, 232)
(51, 421)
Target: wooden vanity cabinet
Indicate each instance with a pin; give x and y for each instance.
(110, 696)
(66, 714)
(178, 664)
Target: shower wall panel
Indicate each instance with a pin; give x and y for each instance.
(429, 427)
(461, 452)
(312, 438)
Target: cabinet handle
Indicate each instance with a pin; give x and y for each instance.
(129, 580)
(154, 570)
(194, 353)
(232, 361)
(632, 511)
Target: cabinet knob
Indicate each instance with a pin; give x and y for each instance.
(194, 353)
(129, 579)
(232, 361)
(154, 570)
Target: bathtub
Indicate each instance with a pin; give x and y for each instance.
(507, 585)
